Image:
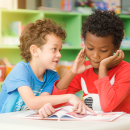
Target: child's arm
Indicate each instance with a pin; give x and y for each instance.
(77, 68)
(109, 63)
(113, 95)
(36, 102)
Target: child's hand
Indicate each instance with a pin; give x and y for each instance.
(79, 105)
(78, 65)
(46, 110)
(113, 60)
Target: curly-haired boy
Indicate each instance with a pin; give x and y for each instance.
(29, 85)
(105, 86)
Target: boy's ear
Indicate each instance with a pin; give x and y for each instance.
(33, 50)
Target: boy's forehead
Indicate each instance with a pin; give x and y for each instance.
(90, 36)
(93, 38)
(53, 40)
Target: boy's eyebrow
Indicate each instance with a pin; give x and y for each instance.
(101, 47)
(89, 44)
(56, 45)
(104, 46)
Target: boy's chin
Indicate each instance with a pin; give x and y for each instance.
(95, 66)
(53, 68)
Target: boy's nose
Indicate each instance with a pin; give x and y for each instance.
(96, 55)
(58, 55)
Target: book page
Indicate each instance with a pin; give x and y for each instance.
(66, 113)
(62, 112)
(101, 116)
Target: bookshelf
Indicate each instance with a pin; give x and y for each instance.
(73, 22)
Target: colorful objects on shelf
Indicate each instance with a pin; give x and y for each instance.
(66, 5)
(16, 27)
(5, 68)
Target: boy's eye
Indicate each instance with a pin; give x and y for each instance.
(104, 50)
(90, 48)
(54, 49)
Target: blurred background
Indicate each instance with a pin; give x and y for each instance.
(34, 4)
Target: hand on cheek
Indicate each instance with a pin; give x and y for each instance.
(113, 60)
(46, 110)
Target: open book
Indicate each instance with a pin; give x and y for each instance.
(66, 113)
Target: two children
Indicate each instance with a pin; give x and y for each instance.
(104, 78)
(29, 85)
(106, 86)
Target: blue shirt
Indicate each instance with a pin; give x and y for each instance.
(22, 75)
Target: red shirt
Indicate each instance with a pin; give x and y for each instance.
(110, 93)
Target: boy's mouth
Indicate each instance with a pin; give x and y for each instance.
(56, 61)
(96, 62)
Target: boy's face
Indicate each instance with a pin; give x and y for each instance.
(49, 54)
(98, 48)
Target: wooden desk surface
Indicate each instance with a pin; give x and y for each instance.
(8, 123)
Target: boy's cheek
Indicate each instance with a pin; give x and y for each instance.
(86, 54)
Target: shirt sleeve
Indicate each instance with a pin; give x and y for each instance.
(73, 87)
(52, 77)
(17, 77)
(112, 95)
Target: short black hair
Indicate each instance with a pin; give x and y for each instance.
(104, 23)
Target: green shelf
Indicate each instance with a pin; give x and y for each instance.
(9, 47)
(125, 49)
(122, 16)
(72, 20)
(71, 48)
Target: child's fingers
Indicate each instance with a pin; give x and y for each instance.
(90, 110)
(84, 49)
(123, 55)
(119, 56)
(79, 109)
(75, 107)
(49, 109)
(44, 113)
(81, 54)
(52, 109)
(83, 110)
(88, 67)
(116, 55)
(46, 110)
(40, 113)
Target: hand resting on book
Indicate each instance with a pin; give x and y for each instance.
(48, 110)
